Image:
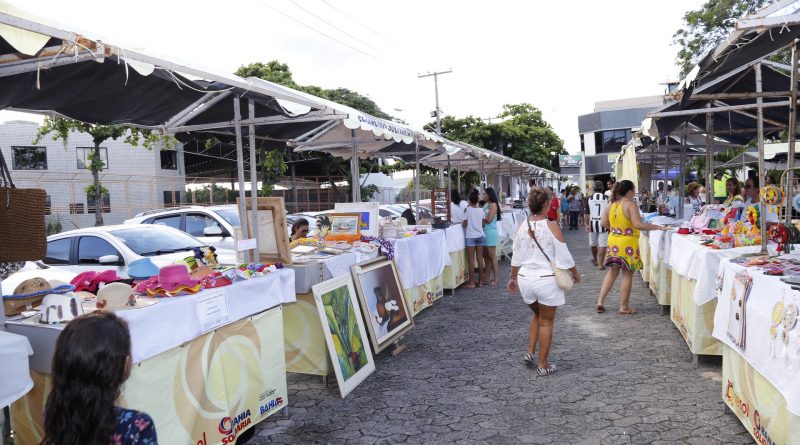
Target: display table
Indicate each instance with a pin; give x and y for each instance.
(694, 270)
(16, 381)
(456, 273)
(188, 380)
(644, 251)
(658, 245)
(420, 262)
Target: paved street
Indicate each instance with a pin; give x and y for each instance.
(621, 379)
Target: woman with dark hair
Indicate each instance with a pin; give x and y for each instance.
(91, 362)
(734, 190)
(457, 207)
(474, 238)
(492, 214)
(624, 222)
(536, 244)
(299, 229)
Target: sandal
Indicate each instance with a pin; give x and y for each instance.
(594, 261)
(630, 311)
(546, 371)
(600, 308)
(529, 359)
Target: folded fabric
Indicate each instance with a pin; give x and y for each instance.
(92, 281)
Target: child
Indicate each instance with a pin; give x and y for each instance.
(474, 238)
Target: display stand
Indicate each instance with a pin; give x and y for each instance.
(440, 199)
(695, 323)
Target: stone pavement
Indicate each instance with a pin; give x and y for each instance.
(621, 379)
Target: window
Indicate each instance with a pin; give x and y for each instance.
(172, 221)
(58, 251)
(47, 205)
(197, 222)
(91, 248)
(76, 208)
(583, 145)
(90, 203)
(609, 141)
(29, 158)
(85, 152)
(169, 160)
(172, 199)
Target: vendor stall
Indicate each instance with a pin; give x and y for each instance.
(193, 371)
(756, 323)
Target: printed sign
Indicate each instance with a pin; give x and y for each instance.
(212, 309)
(570, 160)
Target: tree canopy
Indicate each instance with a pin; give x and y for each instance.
(705, 28)
(522, 134)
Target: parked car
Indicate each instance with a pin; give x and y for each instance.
(114, 247)
(212, 225)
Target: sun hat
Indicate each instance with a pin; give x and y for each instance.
(91, 281)
(120, 297)
(29, 293)
(142, 269)
(60, 308)
(173, 280)
(32, 286)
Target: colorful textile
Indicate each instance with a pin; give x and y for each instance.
(623, 241)
(133, 428)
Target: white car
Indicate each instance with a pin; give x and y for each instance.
(212, 225)
(114, 247)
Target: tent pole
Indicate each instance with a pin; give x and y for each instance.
(682, 174)
(761, 171)
(251, 110)
(458, 178)
(709, 156)
(449, 175)
(354, 170)
(294, 190)
(441, 176)
(416, 177)
(237, 117)
(792, 129)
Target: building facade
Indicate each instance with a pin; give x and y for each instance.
(137, 179)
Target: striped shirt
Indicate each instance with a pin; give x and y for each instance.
(597, 203)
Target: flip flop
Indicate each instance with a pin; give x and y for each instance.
(594, 262)
(630, 311)
(600, 308)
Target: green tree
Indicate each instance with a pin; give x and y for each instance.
(60, 128)
(272, 71)
(705, 28)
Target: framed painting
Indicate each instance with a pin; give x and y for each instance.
(345, 224)
(344, 331)
(368, 211)
(382, 303)
(273, 239)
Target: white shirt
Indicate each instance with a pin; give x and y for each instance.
(456, 213)
(527, 254)
(474, 218)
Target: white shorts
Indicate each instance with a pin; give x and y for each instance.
(535, 288)
(598, 239)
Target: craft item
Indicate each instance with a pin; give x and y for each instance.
(91, 281)
(22, 217)
(142, 269)
(737, 313)
(771, 195)
(59, 308)
(120, 297)
(776, 320)
(172, 280)
(30, 293)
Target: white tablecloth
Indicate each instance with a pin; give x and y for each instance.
(339, 265)
(420, 258)
(691, 260)
(766, 291)
(455, 238)
(16, 378)
(660, 245)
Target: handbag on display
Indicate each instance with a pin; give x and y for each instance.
(563, 277)
(23, 236)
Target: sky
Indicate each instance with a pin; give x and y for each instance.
(561, 57)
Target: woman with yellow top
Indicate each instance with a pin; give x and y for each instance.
(624, 222)
(734, 191)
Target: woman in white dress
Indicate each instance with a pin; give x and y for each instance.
(537, 243)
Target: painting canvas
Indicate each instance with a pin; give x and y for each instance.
(344, 331)
(367, 210)
(382, 302)
(345, 223)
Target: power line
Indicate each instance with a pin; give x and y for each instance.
(332, 25)
(356, 21)
(316, 30)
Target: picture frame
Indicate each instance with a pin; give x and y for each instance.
(345, 335)
(345, 223)
(382, 301)
(440, 203)
(273, 238)
(369, 211)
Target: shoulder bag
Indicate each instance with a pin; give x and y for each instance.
(23, 234)
(563, 276)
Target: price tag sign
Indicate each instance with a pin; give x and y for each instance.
(212, 310)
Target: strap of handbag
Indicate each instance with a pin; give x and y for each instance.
(5, 174)
(530, 232)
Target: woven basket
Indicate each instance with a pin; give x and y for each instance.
(14, 306)
(24, 234)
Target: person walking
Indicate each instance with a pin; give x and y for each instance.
(598, 235)
(624, 222)
(474, 239)
(574, 209)
(564, 207)
(554, 212)
(492, 214)
(92, 360)
(582, 204)
(536, 244)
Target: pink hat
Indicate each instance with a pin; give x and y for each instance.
(92, 281)
(172, 280)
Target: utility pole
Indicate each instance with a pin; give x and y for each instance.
(438, 116)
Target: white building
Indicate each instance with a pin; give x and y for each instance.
(136, 178)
